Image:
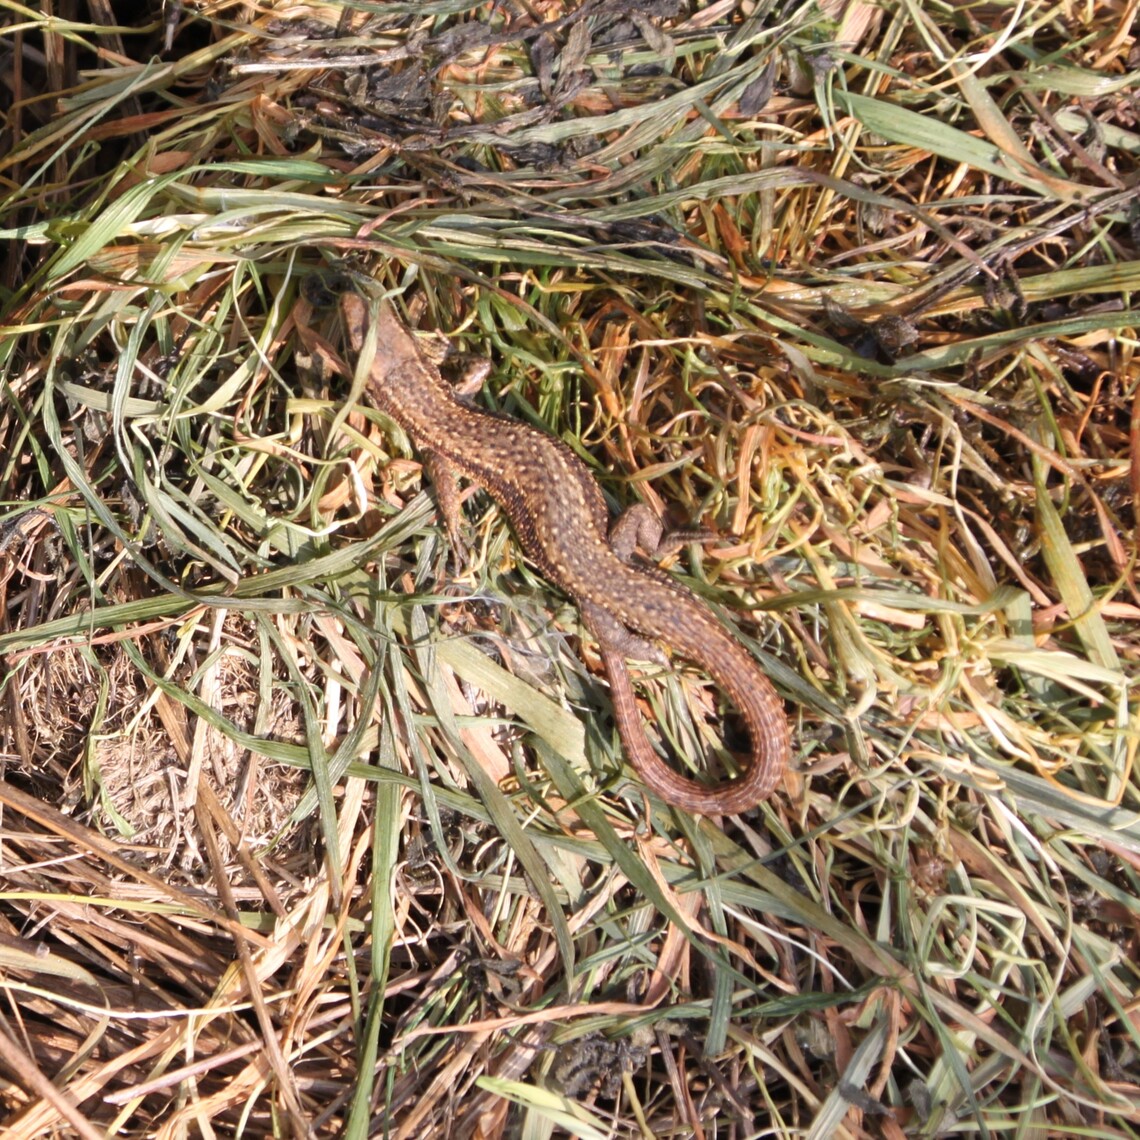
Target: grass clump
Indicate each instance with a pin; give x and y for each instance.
(304, 832)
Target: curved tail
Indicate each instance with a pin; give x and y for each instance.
(698, 637)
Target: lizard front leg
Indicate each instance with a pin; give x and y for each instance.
(445, 476)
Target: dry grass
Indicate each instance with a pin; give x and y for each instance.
(302, 833)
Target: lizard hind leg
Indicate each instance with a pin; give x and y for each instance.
(614, 637)
(637, 527)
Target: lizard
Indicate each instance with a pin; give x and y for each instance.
(562, 523)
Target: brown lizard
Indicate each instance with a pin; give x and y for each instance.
(561, 520)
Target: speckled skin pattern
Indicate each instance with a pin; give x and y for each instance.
(562, 523)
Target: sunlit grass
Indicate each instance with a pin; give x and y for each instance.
(310, 825)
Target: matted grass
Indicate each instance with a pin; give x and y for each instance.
(308, 829)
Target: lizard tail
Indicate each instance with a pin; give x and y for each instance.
(706, 643)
